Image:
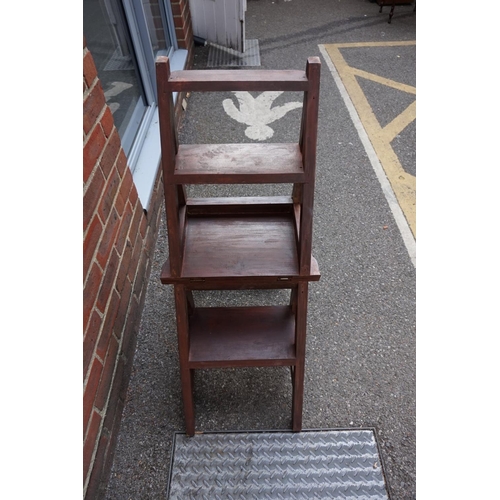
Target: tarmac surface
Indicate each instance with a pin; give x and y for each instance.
(360, 358)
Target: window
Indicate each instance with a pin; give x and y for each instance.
(124, 37)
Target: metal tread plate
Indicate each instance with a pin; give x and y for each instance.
(223, 57)
(335, 464)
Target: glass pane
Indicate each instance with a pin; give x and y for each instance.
(108, 40)
(156, 25)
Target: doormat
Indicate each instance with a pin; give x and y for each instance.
(220, 57)
(279, 465)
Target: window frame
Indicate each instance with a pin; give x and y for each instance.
(144, 154)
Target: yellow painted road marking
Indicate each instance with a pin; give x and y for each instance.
(403, 184)
(391, 130)
(384, 81)
(373, 44)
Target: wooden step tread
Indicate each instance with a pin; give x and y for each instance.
(229, 243)
(238, 163)
(241, 336)
(240, 246)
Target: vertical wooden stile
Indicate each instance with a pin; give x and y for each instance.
(308, 141)
(168, 151)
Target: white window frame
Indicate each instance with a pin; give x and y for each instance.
(145, 153)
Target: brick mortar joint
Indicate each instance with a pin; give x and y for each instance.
(87, 277)
(120, 258)
(93, 259)
(94, 213)
(113, 288)
(89, 369)
(120, 356)
(94, 453)
(97, 164)
(97, 122)
(111, 383)
(102, 413)
(119, 340)
(183, 7)
(113, 284)
(91, 87)
(147, 269)
(101, 328)
(137, 206)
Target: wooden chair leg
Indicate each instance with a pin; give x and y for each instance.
(300, 351)
(181, 306)
(298, 396)
(187, 397)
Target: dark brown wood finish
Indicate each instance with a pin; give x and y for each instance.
(239, 283)
(181, 306)
(240, 242)
(242, 336)
(238, 164)
(300, 300)
(233, 80)
(169, 147)
(309, 140)
(241, 246)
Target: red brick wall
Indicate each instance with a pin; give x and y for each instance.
(183, 25)
(118, 240)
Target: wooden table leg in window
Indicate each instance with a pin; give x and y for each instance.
(393, 4)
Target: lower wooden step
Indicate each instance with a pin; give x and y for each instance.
(241, 336)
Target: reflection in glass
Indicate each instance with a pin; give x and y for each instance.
(156, 25)
(108, 40)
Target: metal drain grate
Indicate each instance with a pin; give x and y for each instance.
(224, 57)
(277, 465)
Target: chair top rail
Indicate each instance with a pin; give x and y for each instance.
(237, 80)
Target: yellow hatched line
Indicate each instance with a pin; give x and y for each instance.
(392, 129)
(384, 81)
(402, 183)
(372, 44)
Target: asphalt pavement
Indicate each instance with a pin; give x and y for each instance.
(360, 361)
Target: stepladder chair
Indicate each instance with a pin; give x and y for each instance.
(240, 242)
